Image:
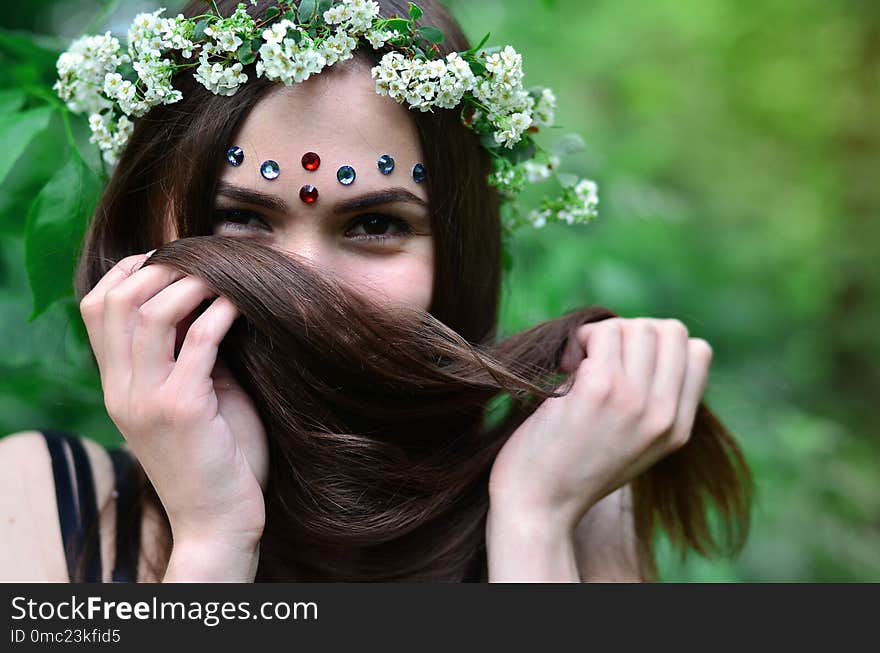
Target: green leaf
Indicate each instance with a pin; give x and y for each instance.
(477, 47)
(290, 15)
(272, 13)
(199, 31)
(569, 144)
(56, 223)
(566, 178)
(522, 151)
(37, 50)
(431, 34)
(17, 132)
(256, 44)
(476, 67)
(415, 12)
(497, 408)
(306, 10)
(487, 140)
(506, 260)
(10, 101)
(324, 5)
(245, 55)
(399, 25)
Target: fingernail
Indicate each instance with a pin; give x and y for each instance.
(150, 253)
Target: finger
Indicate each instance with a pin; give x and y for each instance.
(121, 304)
(572, 354)
(672, 350)
(595, 375)
(696, 377)
(92, 304)
(123, 269)
(155, 333)
(640, 352)
(601, 342)
(198, 354)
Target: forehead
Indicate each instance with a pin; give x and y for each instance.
(338, 115)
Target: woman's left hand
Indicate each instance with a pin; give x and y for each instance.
(637, 386)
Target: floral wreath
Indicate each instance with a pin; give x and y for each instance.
(290, 43)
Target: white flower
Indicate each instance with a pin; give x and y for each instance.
(538, 218)
(353, 16)
(144, 35)
(426, 90)
(378, 38)
(219, 79)
(82, 69)
(578, 205)
(228, 41)
(335, 14)
(109, 136)
(156, 75)
(537, 172)
(145, 25)
(545, 109)
(229, 33)
(338, 47)
(288, 62)
(510, 106)
(588, 192)
(517, 123)
(112, 84)
(174, 34)
(434, 68)
(277, 32)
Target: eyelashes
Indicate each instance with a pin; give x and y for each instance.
(244, 220)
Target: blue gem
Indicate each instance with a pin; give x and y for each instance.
(270, 170)
(386, 164)
(235, 155)
(346, 175)
(419, 173)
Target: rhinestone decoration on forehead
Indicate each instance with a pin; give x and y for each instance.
(311, 161)
(308, 194)
(346, 175)
(386, 164)
(235, 156)
(418, 173)
(270, 170)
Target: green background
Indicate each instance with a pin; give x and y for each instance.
(737, 151)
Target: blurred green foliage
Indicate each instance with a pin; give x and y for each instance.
(737, 154)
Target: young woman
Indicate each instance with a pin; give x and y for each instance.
(261, 451)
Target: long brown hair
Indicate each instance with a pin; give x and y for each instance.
(380, 446)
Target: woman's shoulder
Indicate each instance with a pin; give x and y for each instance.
(61, 496)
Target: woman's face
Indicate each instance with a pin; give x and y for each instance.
(375, 233)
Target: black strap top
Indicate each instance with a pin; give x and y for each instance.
(78, 510)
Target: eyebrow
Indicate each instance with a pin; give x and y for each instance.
(348, 205)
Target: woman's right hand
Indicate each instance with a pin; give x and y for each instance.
(637, 387)
(189, 423)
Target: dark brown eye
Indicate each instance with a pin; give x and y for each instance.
(238, 219)
(376, 226)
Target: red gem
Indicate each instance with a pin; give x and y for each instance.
(308, 194)
(311, 161)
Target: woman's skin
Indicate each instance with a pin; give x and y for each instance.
(559, 508)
